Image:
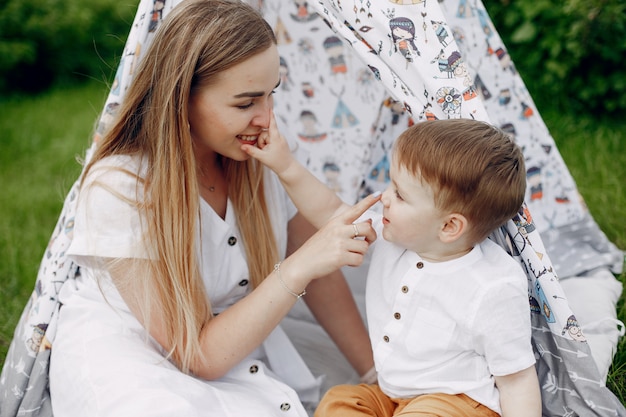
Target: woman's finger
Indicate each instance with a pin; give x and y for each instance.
(354, 212)
(364, 231)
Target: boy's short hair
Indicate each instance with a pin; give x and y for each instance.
(474, 169)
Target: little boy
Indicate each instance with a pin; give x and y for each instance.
(447, 308)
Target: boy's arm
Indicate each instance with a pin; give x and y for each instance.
(520, 394)
(314, 200)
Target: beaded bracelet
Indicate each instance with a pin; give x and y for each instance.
(280, 279)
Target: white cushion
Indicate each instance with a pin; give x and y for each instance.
(593, 299)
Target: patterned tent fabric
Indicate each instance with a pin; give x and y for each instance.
(355, 73)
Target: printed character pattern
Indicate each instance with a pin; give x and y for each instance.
(355, 75)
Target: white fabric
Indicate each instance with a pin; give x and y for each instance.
(594, 297)
(106, 226)
(450, 326)
(594, 300)
(315, 90)
(104, 363)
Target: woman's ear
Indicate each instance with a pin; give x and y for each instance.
(454, 226)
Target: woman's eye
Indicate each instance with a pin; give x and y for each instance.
(245, 106)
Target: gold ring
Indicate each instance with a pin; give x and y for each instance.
(356, 230)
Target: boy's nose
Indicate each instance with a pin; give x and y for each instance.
(385, 196)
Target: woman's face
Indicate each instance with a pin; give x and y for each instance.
(235, 108)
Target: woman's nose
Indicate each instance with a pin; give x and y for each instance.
(262, 118)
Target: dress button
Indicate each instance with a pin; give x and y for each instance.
(232, 240)
(254, 369)
(285, 407)
(243, 282)
(420, 265)
(405, 289)
(396, 316)
(386, 339)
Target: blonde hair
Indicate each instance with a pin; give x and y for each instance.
(196, 41)
(474, 168)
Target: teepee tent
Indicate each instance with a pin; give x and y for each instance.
(354, 75)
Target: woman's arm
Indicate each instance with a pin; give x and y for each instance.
(329, 299)
(520, 394)
(332, 304)
(232, 335)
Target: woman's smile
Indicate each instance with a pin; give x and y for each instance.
(248, 139)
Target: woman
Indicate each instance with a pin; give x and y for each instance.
(179, 236)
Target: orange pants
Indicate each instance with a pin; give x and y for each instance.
(369, 400)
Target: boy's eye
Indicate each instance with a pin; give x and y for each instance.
(398, 196)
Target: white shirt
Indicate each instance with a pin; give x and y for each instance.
(102, 361)
(447, 327)
(111, 227)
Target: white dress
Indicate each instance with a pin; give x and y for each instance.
(102, 363)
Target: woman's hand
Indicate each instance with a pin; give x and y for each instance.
(338, 243)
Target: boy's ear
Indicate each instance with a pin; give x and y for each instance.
(454, 226)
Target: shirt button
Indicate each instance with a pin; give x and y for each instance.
(243, 282)
(420, 265)
(254, 369)
(386, 339)
(285, 407)
(232, 240)
(396, 316)
(405, 289)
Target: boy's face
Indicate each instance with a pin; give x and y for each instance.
(410, 218)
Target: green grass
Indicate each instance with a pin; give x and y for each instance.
(41, 138)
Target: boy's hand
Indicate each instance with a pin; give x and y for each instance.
(272, 149)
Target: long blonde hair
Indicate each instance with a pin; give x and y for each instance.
(196, 41)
